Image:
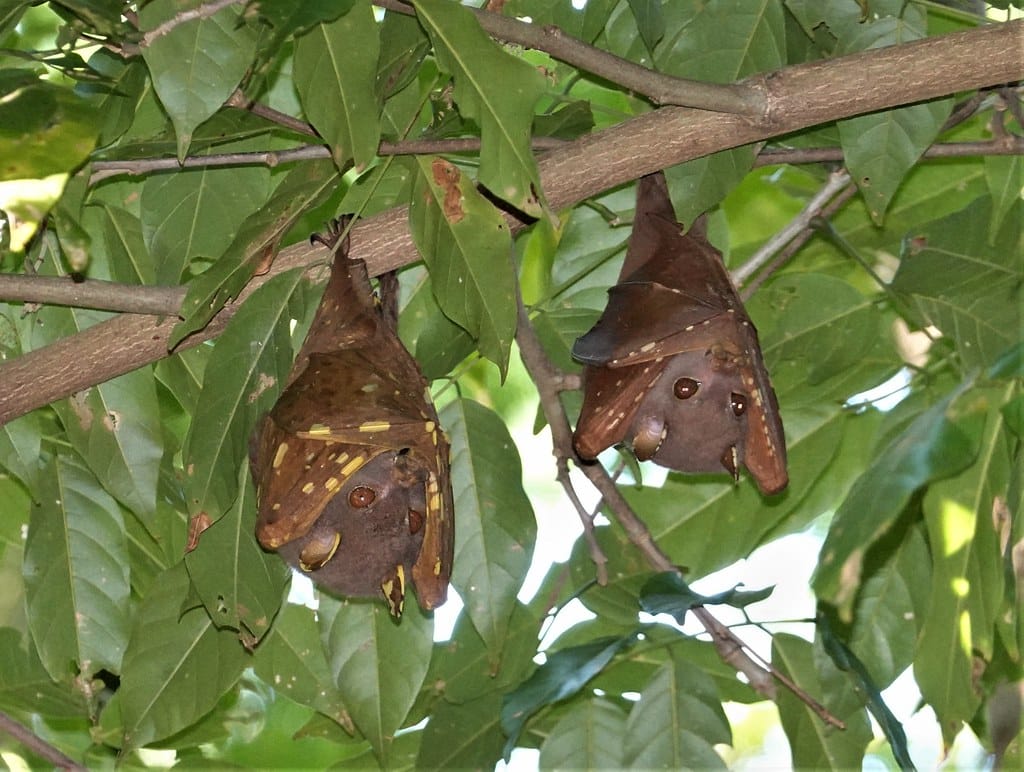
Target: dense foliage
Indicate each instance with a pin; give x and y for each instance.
(126, 626)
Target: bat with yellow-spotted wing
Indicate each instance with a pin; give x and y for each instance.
(351, 466)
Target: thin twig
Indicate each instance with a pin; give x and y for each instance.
(91, 293)
(101, 170)
(201, 12)
(37, 744)
(1009, 144)
(836, 182)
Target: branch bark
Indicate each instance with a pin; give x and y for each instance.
(797, 97)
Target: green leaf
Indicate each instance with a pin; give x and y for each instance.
(648, 20)
(590, 736)
(564, 674)
(240, 585)
(698, 185)
(197, 213)
(721, 41)
(1005, 178)
(76, 574)
(676, 722)
(438, 342)
(378, 664)
(966, 596)
(20, 441)
(888, 601)
(930, 448)
(881, 147)
(844, 659)
(195, 64)
(130, 261)
(807, 342)
(668, 593)
(507, 166)
(257, 241)
(463, 736)
(177, 664)
(495, 526)
(466, 245)
(292, 660)
(968, 288)
(246, 373)
(813, 743)
(115, 427)
(336, 84)
(403, 46)
(26, 686)
(464, 665)
(44, 128)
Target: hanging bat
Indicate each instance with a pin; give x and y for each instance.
(673, 367)
(351, 466)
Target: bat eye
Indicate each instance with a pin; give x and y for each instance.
(738, 403)
(361, 497)
(685, 388)
(415, 521)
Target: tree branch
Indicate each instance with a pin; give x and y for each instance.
(37, 744)
(798, 97)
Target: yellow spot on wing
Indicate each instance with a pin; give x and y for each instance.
(332, 484)
(352, 465)
(374, 426)
(307, 488)
(319, 430)
(279, 456)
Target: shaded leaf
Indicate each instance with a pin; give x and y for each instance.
(844, 659)
(292, 660)
(590, 736)
(76, 574)
(196, 63)
(378, 664)
(813, 743)
(241, 586)
(466, 245)
(26, 686)
(463, 736)
(20, 441)
(256, 242)
(495, 526)
(336, 84)
(564, 674)
(968, 288)
(246, 373)
(196, 213)
(668, 593)
(177, 664)
(507, 166)
(648, 20)
(676, 721)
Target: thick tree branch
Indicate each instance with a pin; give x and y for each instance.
(798, 97)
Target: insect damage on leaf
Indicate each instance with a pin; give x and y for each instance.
(447, 176)
(351, 467)
(673, 367)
